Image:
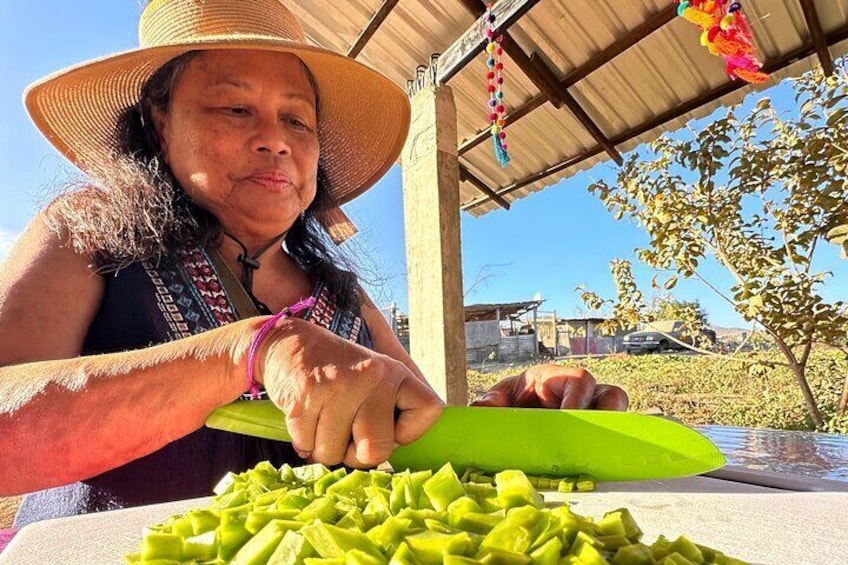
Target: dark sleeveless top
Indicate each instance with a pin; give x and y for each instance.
(146, 304)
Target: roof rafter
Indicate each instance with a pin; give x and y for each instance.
(836, 36)
(466, 175)
(652, 24)
(373, 24)
(814, 25)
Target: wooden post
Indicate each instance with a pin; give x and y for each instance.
(500, 337)
(556, 337)
(433, 255)
(535, 333)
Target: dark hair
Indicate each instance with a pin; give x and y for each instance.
(137, 210)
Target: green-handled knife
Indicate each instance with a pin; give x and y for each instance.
(611, 446)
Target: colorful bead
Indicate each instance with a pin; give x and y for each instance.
(494, 63)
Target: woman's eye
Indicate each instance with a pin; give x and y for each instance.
(237, 111)
(296, 122)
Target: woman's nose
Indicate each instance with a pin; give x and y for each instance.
(271, 137)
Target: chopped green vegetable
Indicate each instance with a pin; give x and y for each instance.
(585, 483)
(311, 515)
(443, 488)
(514, 489)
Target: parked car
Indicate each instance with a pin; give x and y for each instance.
(656, 337)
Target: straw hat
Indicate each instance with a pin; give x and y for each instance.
(363, 117)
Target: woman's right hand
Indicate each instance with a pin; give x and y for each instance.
(343, 402)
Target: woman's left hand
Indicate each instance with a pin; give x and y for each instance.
(552, 386)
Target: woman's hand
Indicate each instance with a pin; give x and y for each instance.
(343, 402)
(552, 386)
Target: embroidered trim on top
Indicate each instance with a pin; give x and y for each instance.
(189, 294)
(326, 314)
(207, 286)
(177, 325)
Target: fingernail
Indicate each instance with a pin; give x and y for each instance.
(303, 454)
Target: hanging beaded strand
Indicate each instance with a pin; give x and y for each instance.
(494, 77)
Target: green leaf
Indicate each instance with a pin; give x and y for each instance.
(838, 235)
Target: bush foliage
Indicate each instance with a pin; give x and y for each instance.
(703, 390)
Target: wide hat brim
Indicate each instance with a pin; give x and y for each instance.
(363, 117)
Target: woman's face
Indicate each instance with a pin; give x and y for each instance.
(241, 137)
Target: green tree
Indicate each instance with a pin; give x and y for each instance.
(667, 307)
(760, 193)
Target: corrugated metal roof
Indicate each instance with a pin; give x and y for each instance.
(661, 72)
(504, 311)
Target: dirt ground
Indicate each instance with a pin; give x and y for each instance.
(8, 507)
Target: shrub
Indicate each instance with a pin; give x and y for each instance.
(704, 390)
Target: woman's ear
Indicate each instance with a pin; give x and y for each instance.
(161, 123)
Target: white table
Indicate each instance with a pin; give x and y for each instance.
(763, 525)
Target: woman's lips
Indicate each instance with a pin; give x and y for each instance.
(271, 180)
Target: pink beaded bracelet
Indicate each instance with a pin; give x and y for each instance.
(252, 385)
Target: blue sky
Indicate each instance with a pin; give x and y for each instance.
(549, 242)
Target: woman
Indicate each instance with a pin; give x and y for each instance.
(220, 150)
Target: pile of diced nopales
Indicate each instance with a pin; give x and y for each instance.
(310, 515)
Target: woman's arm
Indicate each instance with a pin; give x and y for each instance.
(65, 417)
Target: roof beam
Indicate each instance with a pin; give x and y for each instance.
(473, 41)
(814, 25)
(376, 21)
(574, 106)
(466, 175)
(652, 24)
(542, 80)
(831, 38)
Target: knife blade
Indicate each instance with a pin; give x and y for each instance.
(611, 446)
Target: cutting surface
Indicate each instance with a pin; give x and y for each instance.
(762, 525)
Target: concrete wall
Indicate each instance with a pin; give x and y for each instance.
(518, 348)
(483, 341)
